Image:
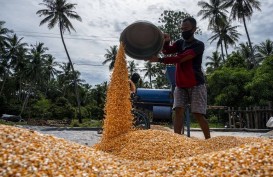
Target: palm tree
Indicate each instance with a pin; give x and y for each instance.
(217, 36)
(215, 11)
(111, 56)
(65, 78)
(132, 67)
(12, 46)
(65, 81)
(215, 61)
(50, 70)
(245, 52)
(20, 69)
(160, 76)
(35, 69)
(150, 72)
(3, 35)
(265, 49)
(59, 12)
(242, 9)
(50, 67)
(227, 34)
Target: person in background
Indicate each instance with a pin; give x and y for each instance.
(190, 82)
(132, 83)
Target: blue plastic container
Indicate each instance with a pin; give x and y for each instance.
(162, 113)
(154, 95)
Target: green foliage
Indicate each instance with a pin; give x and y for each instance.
(3, 100)
(86, 123)
(226, 86)
(84, 112)
(41, 108)
(97, 113)
(211, 125)
(75, 123)
(214, 62)
(261, 87)
(12, 123)
(235, 60)
(213, 119)
(160, 77)
(62, 109)
(171, 22)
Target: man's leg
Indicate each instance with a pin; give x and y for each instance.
(199, 107)
(179, 120)
(203, 124)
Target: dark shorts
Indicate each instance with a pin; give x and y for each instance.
(196, 97)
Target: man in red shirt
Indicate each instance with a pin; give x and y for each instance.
(190, 83)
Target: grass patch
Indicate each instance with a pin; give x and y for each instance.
(12, 123)
(86, 123)
(211, 125)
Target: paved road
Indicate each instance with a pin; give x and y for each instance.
(85, 136)
(90, 136)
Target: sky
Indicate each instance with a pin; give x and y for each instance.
(101, 26)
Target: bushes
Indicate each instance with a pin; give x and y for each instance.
(62, 109)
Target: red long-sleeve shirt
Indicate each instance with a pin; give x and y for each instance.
(188, 73)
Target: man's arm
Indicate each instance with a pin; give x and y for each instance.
(185, 56)
(180, 58)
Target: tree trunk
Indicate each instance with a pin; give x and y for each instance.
(250, 44)
(75, 81)
(20, 89)
(220, 38)
(4, 81)
(150, 77)
(25, 102)
(226, 47)
(222, 51)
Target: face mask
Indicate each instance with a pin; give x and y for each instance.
(187, 34)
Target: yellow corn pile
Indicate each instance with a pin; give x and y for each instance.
(128, 152)
(163, 145)
(28, 153)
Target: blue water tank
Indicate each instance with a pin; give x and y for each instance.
(154, 95)
(161, 113)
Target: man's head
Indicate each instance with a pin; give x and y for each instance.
(188, 27)
(135, 77)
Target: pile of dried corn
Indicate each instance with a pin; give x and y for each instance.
(27, 153)
(163, 145)
(159, 127)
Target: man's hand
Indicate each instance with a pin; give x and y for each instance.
(167, 37)
(153, 59)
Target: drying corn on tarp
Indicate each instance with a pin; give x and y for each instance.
(28, 153)
(123, 151)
